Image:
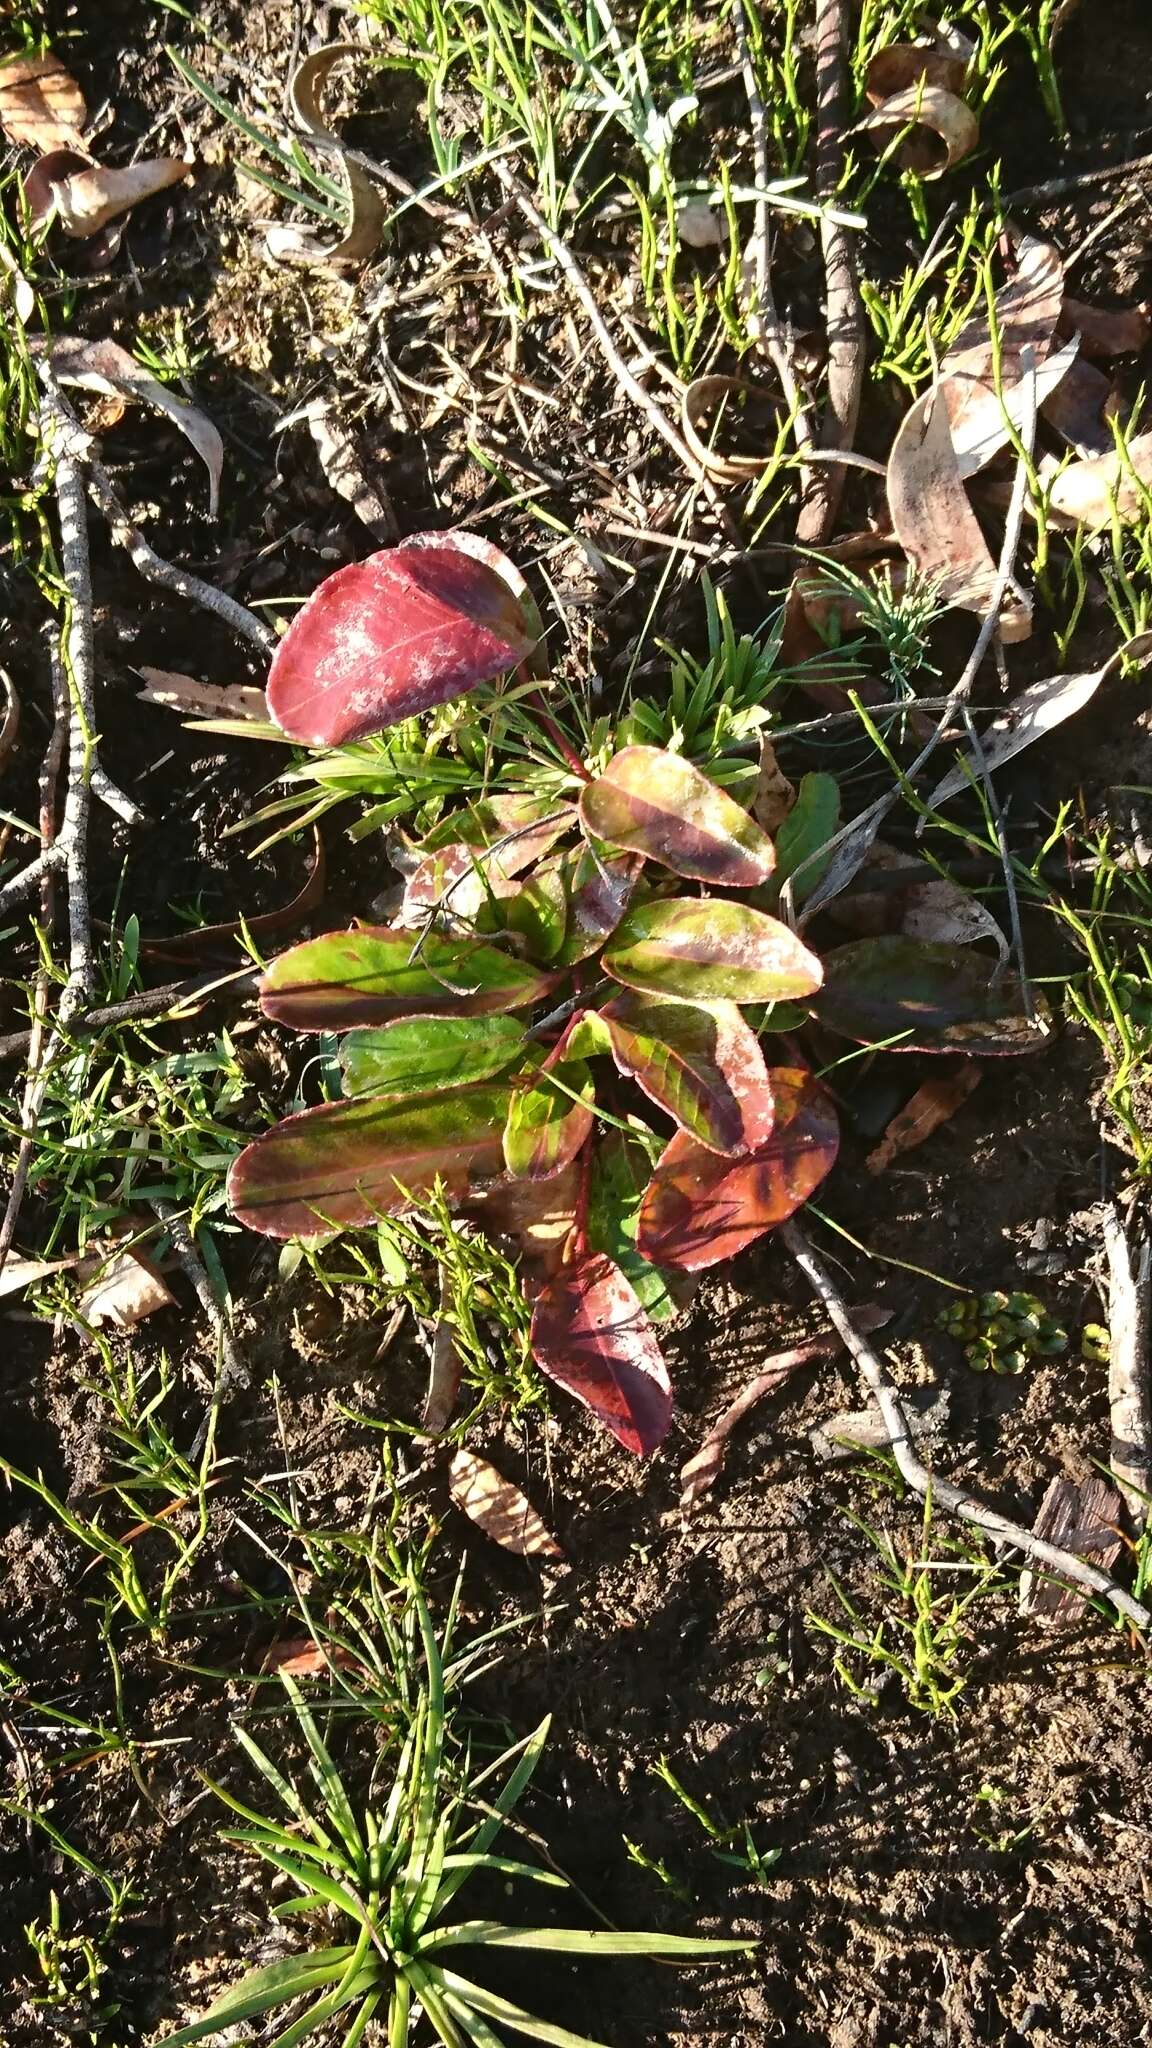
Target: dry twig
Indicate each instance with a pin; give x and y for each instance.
(231, 1368)
(1129, 1393)
(156, 570)
(773, 336)
(842, 288)
(929, 1485)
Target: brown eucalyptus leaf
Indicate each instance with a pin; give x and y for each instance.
(40, 103)
(943, 127)
(701, 1208)
(1105, 330)
(1036, 711)
(104, 366)
(16, 1273)
(498, 1508)
(935, 523)
(1095, 491)
(655, 803)
(85, 200)
(127, 1288)
(934, 1103)
(366, 209)
(775, 795)
(980, 382)
(902, 65)
(537, 1215)
(1081, 408)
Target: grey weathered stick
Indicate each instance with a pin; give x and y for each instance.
(232, 1371)
(845, 314)
(943, 1494)
(156, 570)
(772, 336)
(1129, 1392)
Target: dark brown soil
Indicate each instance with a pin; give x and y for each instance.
(944, 1882)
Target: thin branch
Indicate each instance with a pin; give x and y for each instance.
(1129, 1394)
(929, 1485)
(231, 1369)
(773, 336)
(150, 1005)
(156, 570)
(845, 314)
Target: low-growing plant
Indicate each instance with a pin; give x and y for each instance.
(543, 942)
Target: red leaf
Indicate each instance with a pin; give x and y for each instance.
(386, 638)
(700, 1062)
(591, 1335)
(701, 1208)
(655, 803)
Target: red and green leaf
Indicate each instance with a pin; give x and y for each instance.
(600, 884)
(591, 1334)
(549, 1120)
(700, 1062)
(621, 1170)
(414, 1055)
(914, 996)
(371, 974)
(657, 804)
(537, 1215)
(345, 1164)
(699, 952)
(386, 638)
(700, 1208)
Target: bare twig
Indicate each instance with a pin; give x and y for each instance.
(929, 1485)
(1006, 862)
(1057, 188)
(1129, 1394)
(842, 287)
(157, 570)
(231, 1368)
(150, 1004)
(773, 336)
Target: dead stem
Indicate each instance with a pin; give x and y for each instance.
(941, 1492)
(156, 570)
(842, 286)
(773, 336)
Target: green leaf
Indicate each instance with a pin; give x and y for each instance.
(345, 1164)
(700, 951)
(927, 998)
(262, 1990)
(621, 1170)
(809, 826)
(371, 974)
(537, 912)
(580, 1941)
(546, 1127)
(657, 804)
(698, 1061)
(414, 1055)
(463, 1997)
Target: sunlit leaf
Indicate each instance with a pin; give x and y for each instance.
(413, 1055)
(546, 1127)
(700, 1062)
(537, 1215)
(701, 1208)
(806, 830)
(346, 1163)
(600, 884)
(590, 1334)
(927, 998)
(371, 974)
(621, 1170)
(389, 637)
(657, 804)
(701, 951)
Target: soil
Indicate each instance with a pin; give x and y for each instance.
(951, 1881)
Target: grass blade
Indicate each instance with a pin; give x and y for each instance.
(580, 1941)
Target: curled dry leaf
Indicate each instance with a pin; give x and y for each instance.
(300, 1657)
(775, 795)
(702, 413)
(498, 1507)
(943, 127)
(106, 367)
(933, 1104)
(174, 691)
(127, 1288)
(1109, 486)
(1106, 330)
(17, 1273)
(981, 383)
(935, 523)
(40, 103)
(1036, 711)
(703, 1469)
(84, 196)
(366, 212)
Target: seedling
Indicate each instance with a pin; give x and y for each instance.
(732, 1845)
(1003, 1332)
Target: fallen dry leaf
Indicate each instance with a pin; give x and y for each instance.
(445, 1368)
(127, 1288)
(17, 1274)
(40, 102)
(339, 461)
(703, 1469)
(300, 1657)
(1027, 314)
(1092, 492)
(498, 1508)
(943, 127)
(935, 523)
(1104, 330)
(921, 904)
(366, 211)
(702, 419)
(84, 196)
(775, 795)
(174, 691)
(1081, 407)
(1036, 711)
(1084, 1517)
(902, 65)
(932, 1105)
(105, 366)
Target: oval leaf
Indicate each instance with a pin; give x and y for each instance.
(700, 1209)
(413, 1055)
(546, 1127)
(656, 804)
(701, 951)
(386, 638)
(371, 974)
(498, 1507)
(805, 832)
(347, 1163)
(600, 883)
(700, 1062)
(591, 1334)
(930, 998)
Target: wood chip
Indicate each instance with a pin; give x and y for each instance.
(174, 691)
(498, 1508)
(1083, 1518)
